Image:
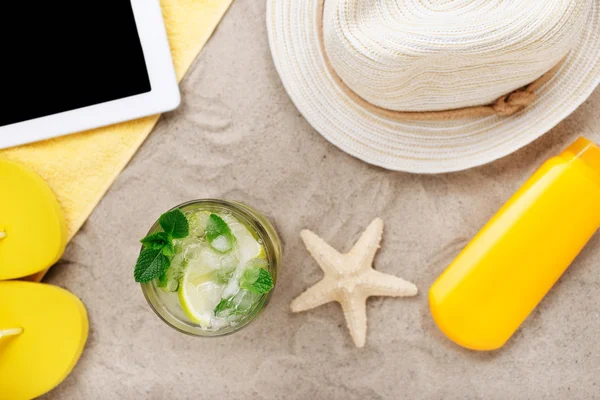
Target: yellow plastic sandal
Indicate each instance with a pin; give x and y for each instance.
(43, 330)
(33, 235)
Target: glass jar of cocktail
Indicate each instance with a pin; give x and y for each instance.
(208, 267)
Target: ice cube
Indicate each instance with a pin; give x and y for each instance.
(257, 263)
(244, 300)
(178, 260)
(219, 323)
(221, 243)
(210, 258)
(198, 221)
(192, 251)
(229, 261)
(227, 266)
(248, 246)
(232, 286)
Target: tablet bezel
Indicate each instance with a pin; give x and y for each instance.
(164, 95)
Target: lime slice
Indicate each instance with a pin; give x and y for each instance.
(199, 295)
(262, 253)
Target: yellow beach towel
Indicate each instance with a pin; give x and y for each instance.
(80, 168)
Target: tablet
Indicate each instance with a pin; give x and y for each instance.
(69, 66)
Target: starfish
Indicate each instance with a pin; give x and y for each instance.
(350, 279)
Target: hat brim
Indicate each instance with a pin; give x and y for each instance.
(417, 146)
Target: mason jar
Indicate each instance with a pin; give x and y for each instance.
(167, 305)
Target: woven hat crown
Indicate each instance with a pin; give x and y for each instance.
(416, 55)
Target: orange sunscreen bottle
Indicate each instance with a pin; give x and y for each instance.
(480, 300)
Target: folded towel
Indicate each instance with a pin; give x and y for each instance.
(81, 167)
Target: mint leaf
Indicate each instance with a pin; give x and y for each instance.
(168, 249)
(218, 234)
(154, 261)
(162, 280)
(150, 264)
(157, 240)
(228, 307)
(257, 280)
(223, 305)
(216, 227)
(175, 224)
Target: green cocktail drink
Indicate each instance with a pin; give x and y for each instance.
(208, 267)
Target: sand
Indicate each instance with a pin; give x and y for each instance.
(238, 136)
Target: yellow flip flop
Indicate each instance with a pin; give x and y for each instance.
(43, 330)
(33, 234)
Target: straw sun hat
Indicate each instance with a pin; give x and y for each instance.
(435, 85)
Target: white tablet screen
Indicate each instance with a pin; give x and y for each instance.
(58, 56)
